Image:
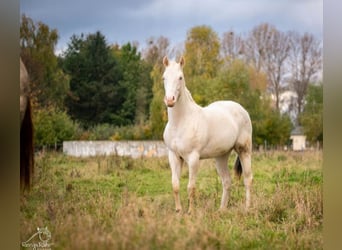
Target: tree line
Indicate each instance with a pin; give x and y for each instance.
(97, 90)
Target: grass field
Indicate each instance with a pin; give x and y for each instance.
(121, 203)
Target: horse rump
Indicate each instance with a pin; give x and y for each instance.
(26, 149)
(238, 167)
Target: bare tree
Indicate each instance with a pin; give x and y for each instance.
(232, 46)
(156, 50)
(277, 51)
(267, 50)
(289, 60)
(257, 44)
(305, 62)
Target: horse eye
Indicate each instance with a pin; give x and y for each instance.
(180, 78)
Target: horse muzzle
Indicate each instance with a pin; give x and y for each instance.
(170, 101)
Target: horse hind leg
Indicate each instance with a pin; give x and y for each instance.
(223, 171)
(245, 158)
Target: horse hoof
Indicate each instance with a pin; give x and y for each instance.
(222, 209)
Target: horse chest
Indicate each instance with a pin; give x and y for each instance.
(182, 140)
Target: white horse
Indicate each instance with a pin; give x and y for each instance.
(193, 133)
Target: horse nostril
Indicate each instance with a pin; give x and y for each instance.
(170, 101)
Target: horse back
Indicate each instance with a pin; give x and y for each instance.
(230, 112)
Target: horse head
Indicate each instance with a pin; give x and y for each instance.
(173, 78)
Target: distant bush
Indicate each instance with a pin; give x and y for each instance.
(101, 132)
(132, 132)
(53, 126)
(107, 131)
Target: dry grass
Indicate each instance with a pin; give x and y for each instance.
(120, 203)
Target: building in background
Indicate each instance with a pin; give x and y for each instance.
(298, 139)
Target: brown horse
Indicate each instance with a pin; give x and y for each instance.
(26, 131)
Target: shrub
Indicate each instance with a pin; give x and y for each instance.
(132, 132)
(53, 126)
(106, 131)
(101, 132)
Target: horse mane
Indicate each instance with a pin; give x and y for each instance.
(188, 94)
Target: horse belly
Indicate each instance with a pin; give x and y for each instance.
(218, 145)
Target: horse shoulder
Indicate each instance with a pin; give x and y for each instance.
(221, 124)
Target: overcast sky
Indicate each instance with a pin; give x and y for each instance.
(123, 21)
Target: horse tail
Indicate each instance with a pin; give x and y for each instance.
(238, 167)
(26, 149)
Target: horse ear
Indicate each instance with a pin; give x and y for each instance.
(182, 61)
(165, 61)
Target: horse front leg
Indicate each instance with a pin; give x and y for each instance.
(176, 165)
(193, 163)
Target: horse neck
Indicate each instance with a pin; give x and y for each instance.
(184, 107)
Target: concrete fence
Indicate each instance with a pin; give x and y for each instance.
(134, 149)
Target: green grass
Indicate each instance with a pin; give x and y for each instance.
(121, 203)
